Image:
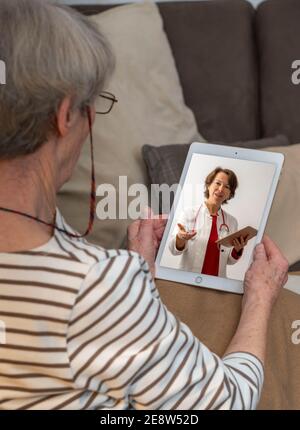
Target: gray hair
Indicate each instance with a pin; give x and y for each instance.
(51, 51)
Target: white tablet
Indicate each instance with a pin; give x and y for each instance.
(222, 189)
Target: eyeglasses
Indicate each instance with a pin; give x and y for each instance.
(105, 102)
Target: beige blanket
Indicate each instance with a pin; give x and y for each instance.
(213, 317)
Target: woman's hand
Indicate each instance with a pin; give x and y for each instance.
(267, 274)
(263, 283)
(183, 234)
(240, 242)
(144, 236)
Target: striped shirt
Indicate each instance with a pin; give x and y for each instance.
(86, 329)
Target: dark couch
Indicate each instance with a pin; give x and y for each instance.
(234, 63)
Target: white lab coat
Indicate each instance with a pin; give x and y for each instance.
(192, 256)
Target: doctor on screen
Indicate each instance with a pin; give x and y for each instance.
(199, 227)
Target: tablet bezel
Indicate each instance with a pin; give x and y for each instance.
(207, 281)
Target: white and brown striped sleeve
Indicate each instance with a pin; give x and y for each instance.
(122, 342)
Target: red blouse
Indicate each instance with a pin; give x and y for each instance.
(212, 255)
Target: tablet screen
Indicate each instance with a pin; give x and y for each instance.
(219, 196)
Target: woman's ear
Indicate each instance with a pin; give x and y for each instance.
(64, 117)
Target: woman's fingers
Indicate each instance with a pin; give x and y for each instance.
(159, 233)
(274, 255)
(159, 225)
(260, 253)
(272, 249)
(236, 243)
(241, 242)
(183, 234)
(133, 229)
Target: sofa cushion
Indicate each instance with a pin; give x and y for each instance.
(284, 221)
(165, 163)
(213, 43)
(278, 35)
(214, 48)
(213, 317)
(151, 109)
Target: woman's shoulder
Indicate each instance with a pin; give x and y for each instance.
(84, 251)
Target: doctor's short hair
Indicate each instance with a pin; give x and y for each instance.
(51, 51)
(232, 181)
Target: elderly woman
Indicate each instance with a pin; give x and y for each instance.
(200, 227)
(85, 327)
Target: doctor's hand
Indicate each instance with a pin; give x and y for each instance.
(266, 276)
(240, 243)
(144, 236)
(184, 234)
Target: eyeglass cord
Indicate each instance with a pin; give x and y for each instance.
(92, 196)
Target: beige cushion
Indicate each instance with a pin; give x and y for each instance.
(213, 317)
(151, 110)
(284, 220)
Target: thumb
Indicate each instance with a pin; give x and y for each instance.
(133, 229)
(147, 213)
(260, 253)
(146, 223)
